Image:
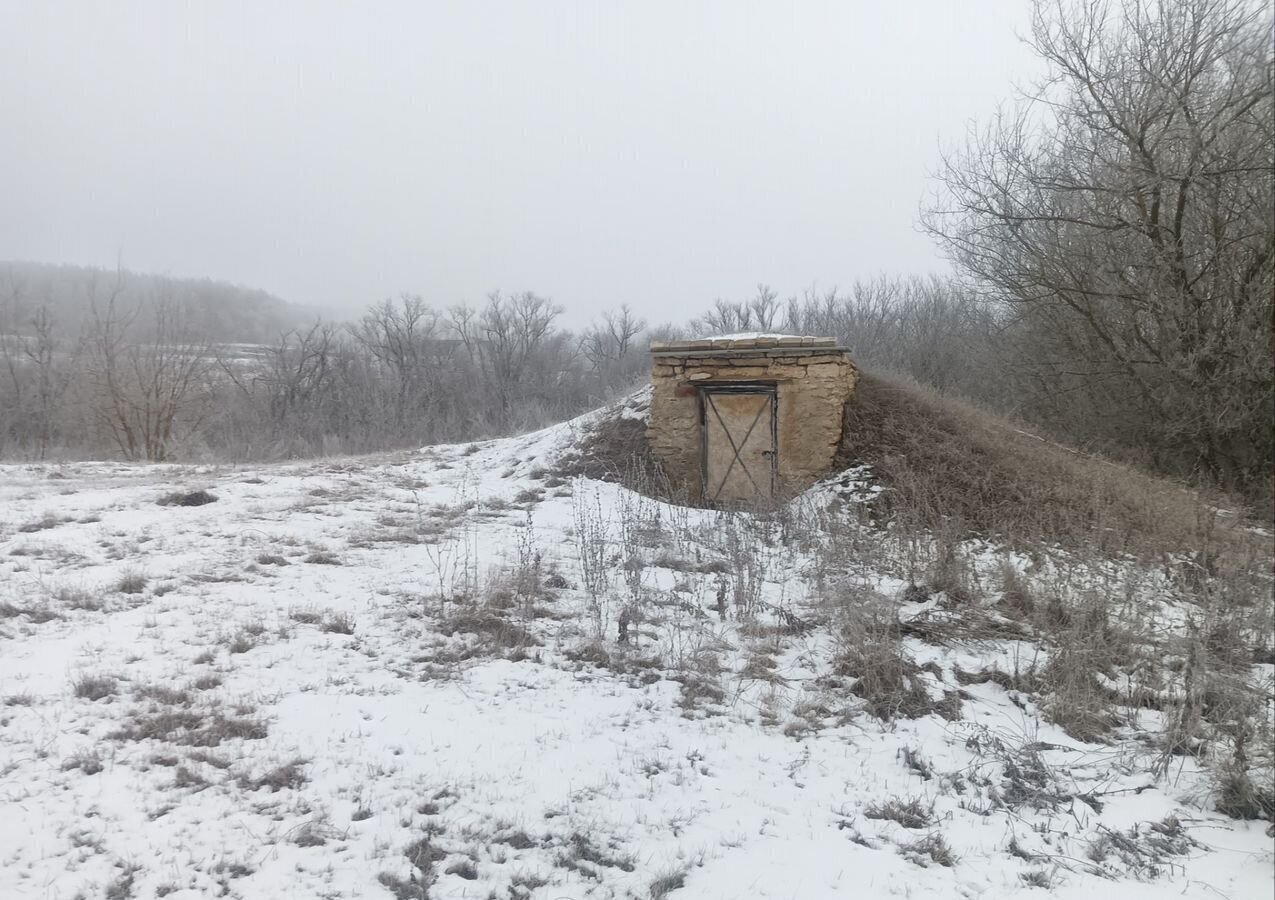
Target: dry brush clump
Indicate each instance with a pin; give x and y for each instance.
(1085, 648)
(872, 663)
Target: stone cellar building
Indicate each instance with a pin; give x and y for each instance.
(745, 418)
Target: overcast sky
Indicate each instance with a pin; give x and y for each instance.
(660, 154)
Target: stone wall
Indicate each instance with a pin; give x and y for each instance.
(813, 380)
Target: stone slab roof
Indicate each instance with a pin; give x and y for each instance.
(747, 343)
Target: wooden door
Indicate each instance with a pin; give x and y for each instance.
(739, 444)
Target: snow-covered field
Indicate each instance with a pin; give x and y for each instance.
(383, 678)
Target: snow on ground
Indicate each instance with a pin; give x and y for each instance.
(291, 692)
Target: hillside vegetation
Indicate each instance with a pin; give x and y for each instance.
(948, 465)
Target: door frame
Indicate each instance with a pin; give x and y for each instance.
(770, 388)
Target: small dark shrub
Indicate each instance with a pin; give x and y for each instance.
(186, 778)
(910, 813)
(1037, 878)
(917, 763)
(306, 616)
(404, 889)
(188, 727)
(206, 682)
(339, 623)
(1240, 798)
(933, 847)
(131, 582)
(289, 775)
(94, 687)
(667, 883)
(163, 694)
(186, 498)
(41, 614)
(45, 522)
(87, 761)
(122, 887)
(885, 677)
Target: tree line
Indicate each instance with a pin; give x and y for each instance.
(138, 377)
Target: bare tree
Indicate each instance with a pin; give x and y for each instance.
(760, 313)
(150, 390)
(1123, 211)
(35, 386)
(402, 337)
(610, 347)
(503, 340)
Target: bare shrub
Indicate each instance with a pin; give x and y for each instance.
(1026, 780)
(323, 558)
(913, 759)
(404, 889)
(1017, 598)
(338, 623)
(289, 775)
(187, 498)
(208, 727)
(131, 582)
(667, 883)
(1146, 851)
(493, 627)
(87, 761)
(1041, 878)
(1086, 645)
(581, 849)
(305, 615)
(121, 887)
(78, 598)
(912, 812)
(870, 650)
(932, 847)
(44, 523)
(163, 694)
(95, 687)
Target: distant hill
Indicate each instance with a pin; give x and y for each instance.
(218, 310)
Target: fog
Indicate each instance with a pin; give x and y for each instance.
(659, 154)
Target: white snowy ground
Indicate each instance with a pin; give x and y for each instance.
(242, 745)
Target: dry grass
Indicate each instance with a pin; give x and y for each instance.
(131, 582)
(186, 498)
(870, 651)
(615, 449)
(912, 812)
(945, 461)
(95, 687)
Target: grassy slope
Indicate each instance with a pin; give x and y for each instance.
(951, 466)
